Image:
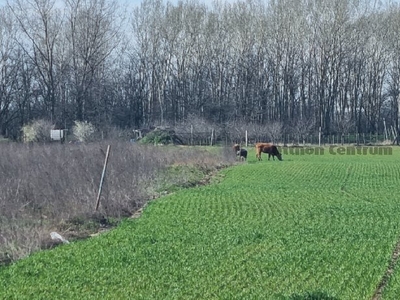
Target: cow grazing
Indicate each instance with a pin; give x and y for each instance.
(241, 153)
(269, 148)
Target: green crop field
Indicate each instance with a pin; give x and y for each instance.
(308, 227)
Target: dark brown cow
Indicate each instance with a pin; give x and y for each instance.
(241, 153)
(269, 148)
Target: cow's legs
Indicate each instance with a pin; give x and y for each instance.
(258, 154)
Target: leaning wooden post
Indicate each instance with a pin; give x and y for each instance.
(102, 177)
(191, 135)
(386, 133)
(319, 137)
(393, 133)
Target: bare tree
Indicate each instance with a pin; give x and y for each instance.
(332, 63)
(93, 34)
(40, 23)
(8, 70)
(393, 43)
(275, 130)
(146, 27)
(301, 129)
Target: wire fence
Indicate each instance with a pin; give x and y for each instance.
(217, 138)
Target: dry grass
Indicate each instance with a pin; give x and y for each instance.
(54, 187)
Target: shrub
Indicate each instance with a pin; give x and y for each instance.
(37, 131)
(83, 131)
(157, 137)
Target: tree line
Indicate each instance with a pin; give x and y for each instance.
(298, 65)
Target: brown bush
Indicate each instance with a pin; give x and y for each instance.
(54, 187)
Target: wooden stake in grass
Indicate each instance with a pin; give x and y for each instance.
(319, 137)
(102, 177)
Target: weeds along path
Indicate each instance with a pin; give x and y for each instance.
(309, 227)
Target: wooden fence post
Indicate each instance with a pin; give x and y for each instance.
(191, 135)
(384, 125)
(102, 177)
(319, 137)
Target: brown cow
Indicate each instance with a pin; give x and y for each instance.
(241, 153)
(269, 148)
